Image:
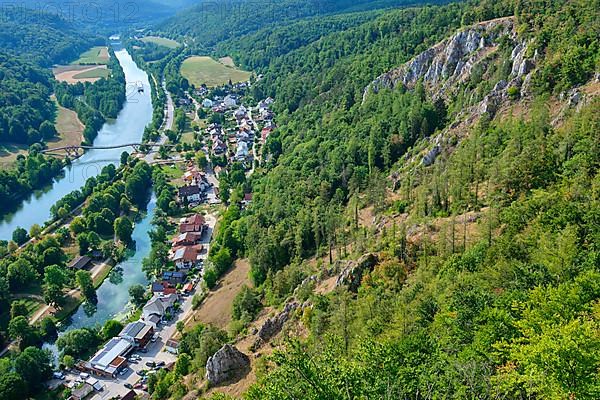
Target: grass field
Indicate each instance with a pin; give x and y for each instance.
(68, 126)
(228, 61)
(9, 153)
(200, 69)
(161, 41)
(95, 73)
(95, 55)
(80, 73)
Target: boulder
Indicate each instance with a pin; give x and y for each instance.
(353, 273)
(226, 364)
(273, 326)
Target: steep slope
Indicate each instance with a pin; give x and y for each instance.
(419, 229)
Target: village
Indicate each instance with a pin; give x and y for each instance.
(122, 366)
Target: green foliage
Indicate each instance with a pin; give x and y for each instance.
(20, 236)
(137, 293)
(86, 285)
(111, 329)
(246, 304)
(78, 342)
(123, 228)
(200, 343)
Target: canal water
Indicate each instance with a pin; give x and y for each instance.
(128, 127)
(113, 294)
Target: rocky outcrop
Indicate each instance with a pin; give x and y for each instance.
(352, 274)
(226, 364)
(272, 326)
(451, 61)
(431, 155)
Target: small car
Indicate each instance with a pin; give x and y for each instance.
(128, 385)
(58, 375)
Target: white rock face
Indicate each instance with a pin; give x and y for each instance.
(451, 61)
(226, 364)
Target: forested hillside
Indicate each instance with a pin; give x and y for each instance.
(427, 208)
(102, 16)
(26, 112)
(44, 38)
(209, 23)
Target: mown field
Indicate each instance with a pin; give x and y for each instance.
(204, 70)
(95, 55)
(95, 73)
(161, 41)
(68, 126)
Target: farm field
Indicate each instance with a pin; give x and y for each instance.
(95, 56)
(204, 70)
(161, 41)
(95, 73)
(80, 73)
(69, 128)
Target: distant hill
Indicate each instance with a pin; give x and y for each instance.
(105, 16)
(44, 38)
(210, 22)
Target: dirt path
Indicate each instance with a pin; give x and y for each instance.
(216, 308)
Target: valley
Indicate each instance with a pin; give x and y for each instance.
(301, 200)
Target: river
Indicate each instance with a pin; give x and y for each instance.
(128, 127)
(113, 294)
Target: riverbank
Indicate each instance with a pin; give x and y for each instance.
(128, 127)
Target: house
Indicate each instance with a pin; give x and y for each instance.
(218, 147)
(229, 101)
(193, 223)
(111, 358)
(174, 277)
(207, 103)
(186, 239)
(242, 151)
(158, 307)
(80, 263)
(184, 101)
(162, 288)
(81, 391)
(240, 113)
(247, 199)
(187, 257)
(196, 178)
(95, 383)
(190, 193)
(172, 346)
(188, 288)
(264, 134)
(138, 333)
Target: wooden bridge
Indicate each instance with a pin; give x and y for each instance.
(77, 151)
